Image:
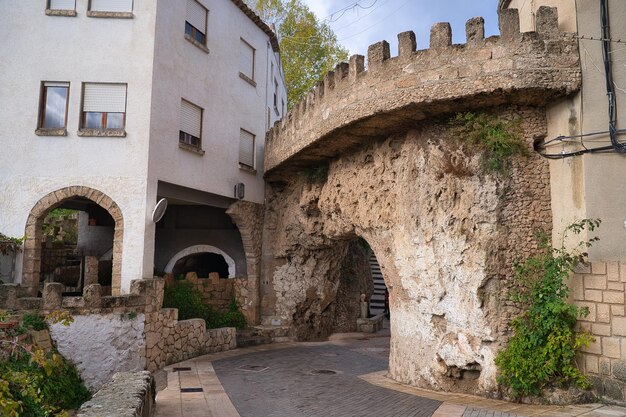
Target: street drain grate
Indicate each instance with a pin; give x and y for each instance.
(191, 390)
(323, 372)
(253, 368)
(181, 369)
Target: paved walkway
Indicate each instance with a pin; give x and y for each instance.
(342, 377)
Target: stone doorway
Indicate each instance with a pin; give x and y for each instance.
(83, 199)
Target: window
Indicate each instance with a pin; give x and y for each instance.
(104, 106)
(190, 124)
(246, 60)
(246, 149)
(53, 107)
(275, 95)
(116, 6)
(195, 22)
(62, 4)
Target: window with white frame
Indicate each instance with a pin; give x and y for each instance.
(118, 6)
(62, 4)
(53, 105)
(246, 148)
(246, 60)
(190, 124)
(104, 106)
(196, 22)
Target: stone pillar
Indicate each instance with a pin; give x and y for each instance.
(91, 270)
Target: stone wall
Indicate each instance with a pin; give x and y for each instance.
(249, 218)
(128, 394)
(353, 105)
(445, 233)
(599, 286)
(169, 340)
(216, 292)
(121, 333)
(371, 154)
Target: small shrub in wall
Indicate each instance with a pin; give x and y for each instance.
(183, 296)
(497, 138)
(34, 382)
(543, 349)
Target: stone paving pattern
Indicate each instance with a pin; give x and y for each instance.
(360, 388)
(290, 387)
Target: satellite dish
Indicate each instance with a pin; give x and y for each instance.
(159, 210)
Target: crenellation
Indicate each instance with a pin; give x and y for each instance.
(407, 44)
(508, 22)
(356, 65)
(319, 90)
(440, 35)
(377, 54)
(341, 72)
(529, 67)
(329, 81)
(547, 21)
(475, 31)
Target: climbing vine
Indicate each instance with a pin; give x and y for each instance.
(499, 139)
(543, 349)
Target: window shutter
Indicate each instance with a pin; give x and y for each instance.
(246, 59)
(246, 148)
(110, 98)
(196, 15)
(63, 4)
(111, 5)
(190, 119)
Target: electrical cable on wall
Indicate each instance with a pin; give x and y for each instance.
(613, 132)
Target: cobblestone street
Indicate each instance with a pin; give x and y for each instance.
(316, 380)
(342, 377)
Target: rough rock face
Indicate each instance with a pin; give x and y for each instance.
(445, 234)
(355, 279)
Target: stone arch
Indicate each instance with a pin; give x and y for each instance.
(34, 236)
(191, 250)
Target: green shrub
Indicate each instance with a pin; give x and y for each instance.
(499, 139)
(43, 390)
(183, 296)
(543, 349)
(32, 382)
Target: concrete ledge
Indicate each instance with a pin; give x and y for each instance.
(370, 325)
(129, 394)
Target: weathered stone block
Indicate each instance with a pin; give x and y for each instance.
(52, 298)
(377, 54)
(613, 297)
(407, 44)
(595, 282)
(508, 22)
(611, 347)
(475, 31)
(440, 35)
(547, 21)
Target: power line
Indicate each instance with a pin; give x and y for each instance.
(377, 23)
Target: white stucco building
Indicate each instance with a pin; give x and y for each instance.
(126, 102)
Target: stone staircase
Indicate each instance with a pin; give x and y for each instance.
(377, 301)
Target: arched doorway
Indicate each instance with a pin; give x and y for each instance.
(32, 268)
(211, 262)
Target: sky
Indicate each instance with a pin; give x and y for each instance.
(359, 24)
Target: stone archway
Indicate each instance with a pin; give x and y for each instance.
(191, 250)
(32, 245)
